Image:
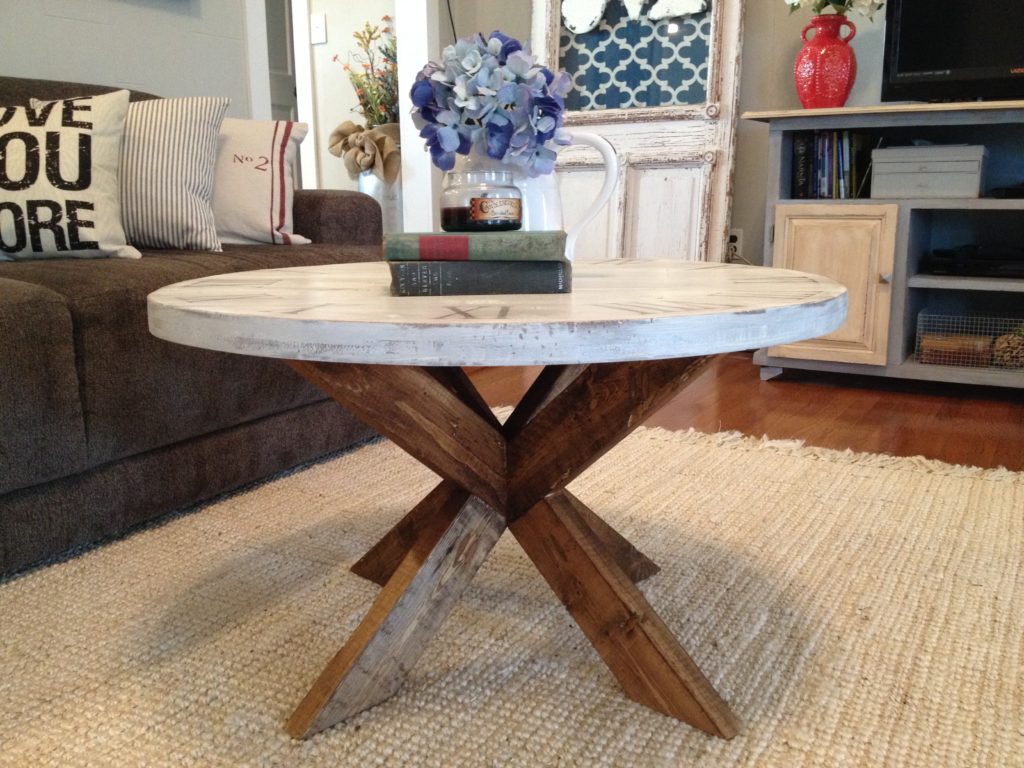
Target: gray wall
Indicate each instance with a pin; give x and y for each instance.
(771, 41)
(167, 47)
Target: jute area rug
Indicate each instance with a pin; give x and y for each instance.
(855, 610)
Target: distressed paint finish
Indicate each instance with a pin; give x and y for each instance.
(697, 136)
(618, 310)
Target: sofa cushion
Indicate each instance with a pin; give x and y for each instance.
(42, 433)
(139, 392)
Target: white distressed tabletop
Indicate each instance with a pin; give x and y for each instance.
(618, 310)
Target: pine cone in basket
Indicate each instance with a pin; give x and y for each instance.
(1008, 350)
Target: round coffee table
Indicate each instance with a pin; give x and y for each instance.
(629, 336)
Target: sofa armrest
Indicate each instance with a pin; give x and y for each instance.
(337, 216)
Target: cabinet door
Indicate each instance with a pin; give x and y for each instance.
(854, 245)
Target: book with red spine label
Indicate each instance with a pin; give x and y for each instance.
(475, 246)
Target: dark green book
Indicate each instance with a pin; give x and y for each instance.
(475, 246)
(454, 278)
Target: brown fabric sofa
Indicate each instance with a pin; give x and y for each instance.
(103, 426)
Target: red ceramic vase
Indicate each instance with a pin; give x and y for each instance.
(826, 66)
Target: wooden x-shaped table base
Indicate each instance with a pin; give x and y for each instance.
(507, 475)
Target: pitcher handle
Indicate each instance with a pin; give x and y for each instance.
(611, 178)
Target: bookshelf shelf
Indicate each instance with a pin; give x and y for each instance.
(879, 248)
(950, 283)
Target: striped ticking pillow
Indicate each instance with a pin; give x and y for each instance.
(167, 174)
(254, 187)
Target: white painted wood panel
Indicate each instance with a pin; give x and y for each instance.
(662, 221)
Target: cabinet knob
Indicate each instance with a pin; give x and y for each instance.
(885, 278)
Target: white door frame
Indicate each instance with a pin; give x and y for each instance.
(258, 63)
(257, 59)
(305, 105)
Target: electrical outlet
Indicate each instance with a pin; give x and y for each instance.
(734, 248)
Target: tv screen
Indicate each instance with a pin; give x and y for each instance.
(953, 50)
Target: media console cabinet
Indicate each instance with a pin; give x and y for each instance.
(878, 247)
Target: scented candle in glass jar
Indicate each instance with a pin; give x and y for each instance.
(485, 200)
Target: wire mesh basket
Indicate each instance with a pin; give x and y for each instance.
(970, 341)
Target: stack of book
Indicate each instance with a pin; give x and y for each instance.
(832, 164)
(463, 263)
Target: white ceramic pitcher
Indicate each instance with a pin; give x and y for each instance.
(542, 200)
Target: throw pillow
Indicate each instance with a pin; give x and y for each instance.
(254, 185)
(168, 156)
(170, 147)
(59, 179)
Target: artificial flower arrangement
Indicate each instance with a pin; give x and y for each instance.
(376, 84)
(864, 7)
(489, 95)
(373, 147)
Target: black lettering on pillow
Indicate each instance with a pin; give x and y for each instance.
(7, 114)
(71, 106)
(18, 218)
(75, 224)
(39, 221)
(38, 118)
(31, 171)
(53, 153)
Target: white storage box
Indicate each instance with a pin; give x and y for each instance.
(932, 171)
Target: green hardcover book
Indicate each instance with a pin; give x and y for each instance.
(454, 278)
(475, 246)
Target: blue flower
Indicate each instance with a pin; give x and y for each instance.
(443, 143)
(509, 45)
(489, 95)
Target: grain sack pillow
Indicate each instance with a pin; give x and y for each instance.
(59, 179)
(254, 185)
(170, 148)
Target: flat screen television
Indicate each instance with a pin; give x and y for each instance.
(953, 50)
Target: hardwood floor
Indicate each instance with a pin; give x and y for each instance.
(979, 426)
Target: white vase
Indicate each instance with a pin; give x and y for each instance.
(388, 197)
(542, 198)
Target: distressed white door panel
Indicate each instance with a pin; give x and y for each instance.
(664, 212)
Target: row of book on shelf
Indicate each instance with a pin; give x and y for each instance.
(833, 165)
(477, 263)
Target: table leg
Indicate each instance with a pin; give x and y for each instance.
(407, 613)
(630, 637)
(381, 561)
(495, 475)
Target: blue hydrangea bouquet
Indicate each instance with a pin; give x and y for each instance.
(489, 95)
